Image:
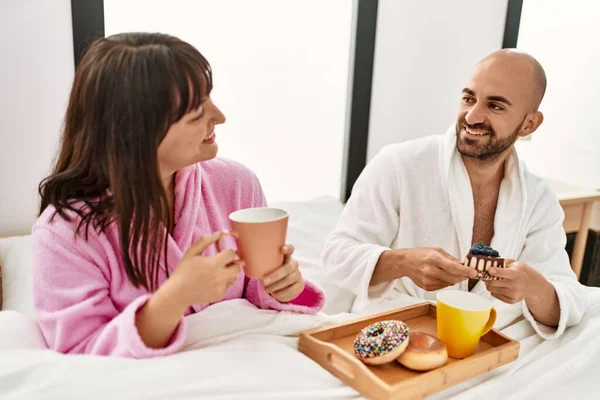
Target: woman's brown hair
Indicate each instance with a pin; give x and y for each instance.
(128, 90)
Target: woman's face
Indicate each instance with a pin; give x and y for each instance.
(191, 139)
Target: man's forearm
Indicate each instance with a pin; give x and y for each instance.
(388, 268)
(545, 306)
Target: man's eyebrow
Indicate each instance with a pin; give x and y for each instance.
(500, 99)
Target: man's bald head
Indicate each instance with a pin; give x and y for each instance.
(520, 66)
(499, 104)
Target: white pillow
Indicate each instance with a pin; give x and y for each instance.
(17, 283)
(19, 332)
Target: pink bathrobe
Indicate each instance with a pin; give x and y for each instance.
(83, 299)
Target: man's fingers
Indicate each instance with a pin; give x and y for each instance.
(441, 276)
(457, 269)
(504, 273)
(460, 277)
(500, 288)
(447, 255)
(432, 284)
(496, 285)
(505, 296)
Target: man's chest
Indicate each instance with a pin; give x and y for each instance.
(484, 214)
(483, 222)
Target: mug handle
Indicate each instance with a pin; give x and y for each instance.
(490, 323)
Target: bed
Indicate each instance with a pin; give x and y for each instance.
(235, 351)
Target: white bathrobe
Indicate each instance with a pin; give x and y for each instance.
(418, 194)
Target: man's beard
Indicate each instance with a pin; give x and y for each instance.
(487, 152)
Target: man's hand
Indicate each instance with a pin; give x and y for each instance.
(430, 269)
(520, 282)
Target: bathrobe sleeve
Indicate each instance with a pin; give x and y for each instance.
(73, 305)
(367, 227)
(544, 250)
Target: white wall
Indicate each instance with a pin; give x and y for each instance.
(424, 53)
(563, 36)
(36, 71)
(280, 77)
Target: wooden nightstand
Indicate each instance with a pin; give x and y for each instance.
(577, 204)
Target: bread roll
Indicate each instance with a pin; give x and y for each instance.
(424, 352)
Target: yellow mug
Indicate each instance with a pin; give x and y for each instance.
(462, 319)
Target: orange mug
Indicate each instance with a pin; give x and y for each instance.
(260, 234)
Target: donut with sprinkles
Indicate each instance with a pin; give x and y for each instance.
(381, 342)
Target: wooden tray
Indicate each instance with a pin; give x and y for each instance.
(332, 348)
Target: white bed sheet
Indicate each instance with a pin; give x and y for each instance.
(235, 351)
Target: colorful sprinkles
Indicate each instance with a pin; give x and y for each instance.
(380, 338)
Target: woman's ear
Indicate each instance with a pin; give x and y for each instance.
(532, 122)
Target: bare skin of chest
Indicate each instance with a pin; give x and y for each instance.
(483, 224)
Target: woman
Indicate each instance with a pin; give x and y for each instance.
(124, 244)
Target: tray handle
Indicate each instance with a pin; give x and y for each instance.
(346, 365)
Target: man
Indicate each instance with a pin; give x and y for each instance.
(419, 206)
